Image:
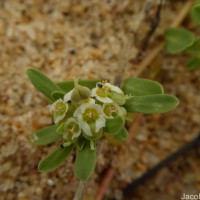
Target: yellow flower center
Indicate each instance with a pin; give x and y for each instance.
(103, 92)
(90, 114)
(72, 127)
(110, 110)
(60, 108)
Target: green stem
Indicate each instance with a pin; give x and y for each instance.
(80, 190)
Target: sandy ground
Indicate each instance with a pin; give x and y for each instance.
(90, 39)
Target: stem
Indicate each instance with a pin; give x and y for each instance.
(80, 190)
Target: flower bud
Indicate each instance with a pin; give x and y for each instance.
(80, 93)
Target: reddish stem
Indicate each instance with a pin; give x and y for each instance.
(105, 183)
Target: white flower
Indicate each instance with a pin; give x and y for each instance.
(101, 95)
(102, 92)
(111, 110)
(91, 118)
(59, 109)
(72, 129)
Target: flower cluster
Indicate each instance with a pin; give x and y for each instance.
(84, 113)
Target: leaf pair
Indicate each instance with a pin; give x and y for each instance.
(84, 163)
(147, 97)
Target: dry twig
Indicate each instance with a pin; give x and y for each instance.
(80, 190)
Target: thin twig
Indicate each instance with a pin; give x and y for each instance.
(153, 24)
(80, 190)
(106, 181)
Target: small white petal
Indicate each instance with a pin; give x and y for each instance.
(86, 128)
(100, 122)
(96, 107)
(89, 101)
(77, 112)
(79, 118)
(71, 119)
(114, 88)
(104, 100)
(75, 135)
(67, 96)
(59, 118)
(94, 92)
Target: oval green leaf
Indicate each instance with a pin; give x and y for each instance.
(45, 136)
(114, 125)
(85, 162)
(42, 83)
(55, 159)
(69, 85)
(194, 48)
(151, 104)
(178, 39)
(141, 87)
(194, 63)
(122, 134)
(195, 13)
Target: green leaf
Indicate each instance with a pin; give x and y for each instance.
(42, 83)
(122, 135)
(197, 2)
(194, 63)
(69, 85)
(55, 159)
(195, 13)
(114, 125)
(45, 136)
(141, 87)
(159, 103)
(57, 95)
(194, 48)
(85, 162)
(178, 39)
